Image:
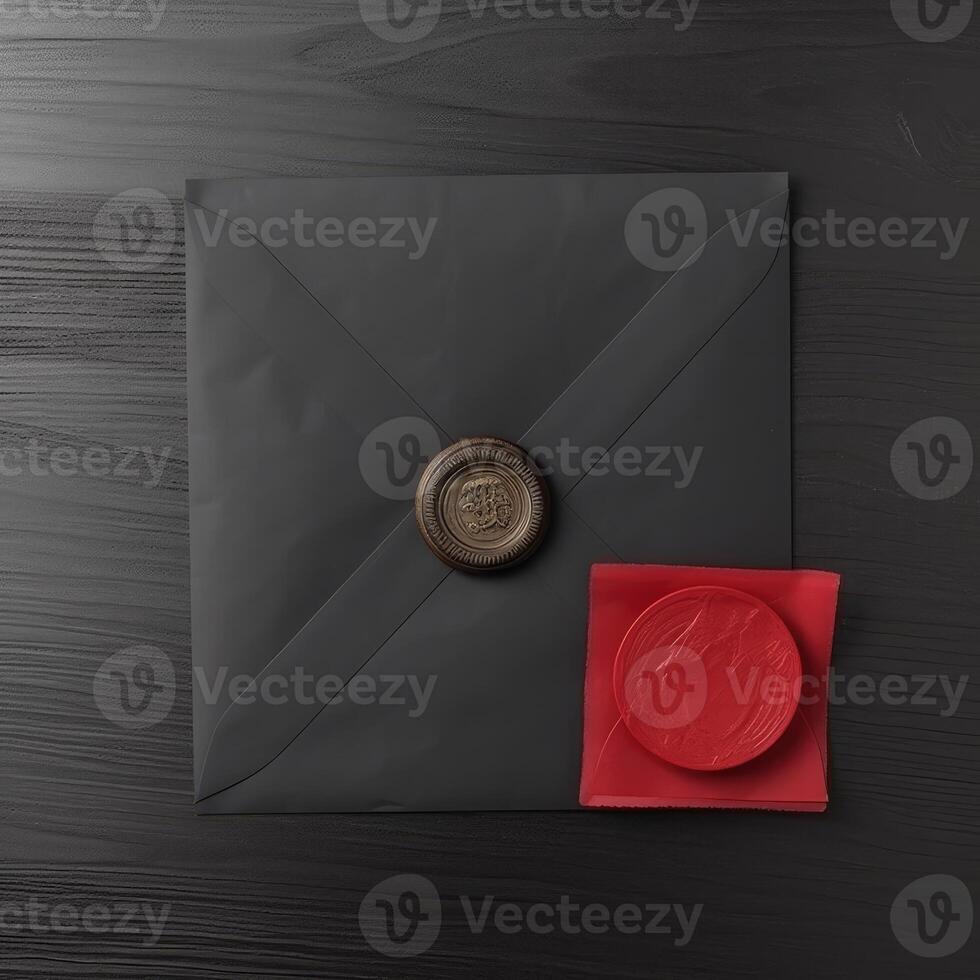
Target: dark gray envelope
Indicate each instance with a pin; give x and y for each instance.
(636, 313)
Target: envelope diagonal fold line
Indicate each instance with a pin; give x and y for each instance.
(587, 469)
(652, 350)
(687, 263)
(563, 573)
(295, 324)
(337, 406)
(341, 637)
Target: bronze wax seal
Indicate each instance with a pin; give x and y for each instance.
(481, 504)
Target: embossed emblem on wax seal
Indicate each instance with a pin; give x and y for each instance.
(481, 505)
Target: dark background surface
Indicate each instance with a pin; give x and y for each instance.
(866, 120)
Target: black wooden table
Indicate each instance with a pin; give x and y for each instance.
(104, 869)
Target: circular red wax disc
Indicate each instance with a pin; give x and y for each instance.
(707, 678)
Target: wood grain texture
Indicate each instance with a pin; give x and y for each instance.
(867, 121)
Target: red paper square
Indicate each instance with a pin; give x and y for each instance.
(791, 775)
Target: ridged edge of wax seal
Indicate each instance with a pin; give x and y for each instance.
(511, 465)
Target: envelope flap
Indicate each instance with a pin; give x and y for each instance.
(669, 330)
(483, 296)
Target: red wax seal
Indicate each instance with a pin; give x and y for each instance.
(707, 678)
